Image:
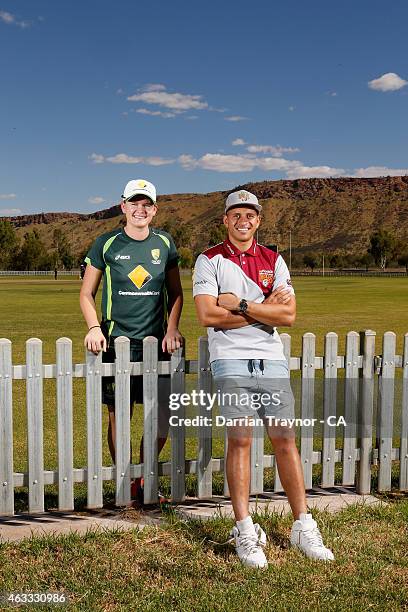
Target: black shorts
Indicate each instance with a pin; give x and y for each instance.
(136, 382)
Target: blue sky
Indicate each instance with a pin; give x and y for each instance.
(195, 97)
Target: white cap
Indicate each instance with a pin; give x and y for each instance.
(139, 186)
(242, 198)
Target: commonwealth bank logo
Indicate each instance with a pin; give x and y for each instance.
(139, 276)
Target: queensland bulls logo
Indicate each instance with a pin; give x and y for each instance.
(266, 278)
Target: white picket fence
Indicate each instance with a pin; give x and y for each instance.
(357, 455)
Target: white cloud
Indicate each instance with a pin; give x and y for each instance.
(301, 171)
(191, 117)
(97, 159)
(146, 111)
(292, 108)
(219, 162)
(157, 94)
(238, 142)
(273, 150)
(236, 118)
(388, 82)
(10, 212)
(373, 171)
(10, 19)
(7, 196)
(123, 158)
(96, 200)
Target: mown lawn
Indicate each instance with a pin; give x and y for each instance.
(49, 309)
(185, 566)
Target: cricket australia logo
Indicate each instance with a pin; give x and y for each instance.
(266, 278)
(139, 276)
(156, 256)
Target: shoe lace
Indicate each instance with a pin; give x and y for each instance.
(313, 537)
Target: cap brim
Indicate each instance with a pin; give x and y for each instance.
(256, 207)
(139, 192)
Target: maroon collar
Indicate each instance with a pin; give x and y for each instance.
(232, 250)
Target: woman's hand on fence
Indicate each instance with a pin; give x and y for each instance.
(280, 295)
(172, 341)
(95, 341)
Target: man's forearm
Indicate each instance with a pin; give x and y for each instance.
(224, 319)
(272, 314)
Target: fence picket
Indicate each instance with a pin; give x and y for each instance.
(386, 408)
(6, 429)
(287, 345)
(122, 420)
(35, 435)
(94, 429)
(329, 409)
(65, 424)
(307, 409)
(204, 467)
(367, 340)
(403, 480)
(178, 437)
(150, 403)
(350, 408)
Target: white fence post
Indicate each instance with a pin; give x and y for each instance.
(150, 403)
(308, 379)
(178, 437)
(204, 466)
(386, 408)
(122, 420)
(65, 425)
(6, 429)
(94, 428)
(351, 377)
(329, 409)
(366, 413)
(287, 347)
(35, 434)
(403, 482)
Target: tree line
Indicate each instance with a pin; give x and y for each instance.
(32, 254)
(383, 251)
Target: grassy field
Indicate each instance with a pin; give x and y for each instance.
(49, 309)
(185, 566)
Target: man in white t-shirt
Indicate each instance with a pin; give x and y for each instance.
(242, 291)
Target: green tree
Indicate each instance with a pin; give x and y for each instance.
(8, 243)
(217, 234)
(62, 255)
(366, 260)
(403, 260)
(186, 257)
(310, 260)
(382, 246)
(33, 254)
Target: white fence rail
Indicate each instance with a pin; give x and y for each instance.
(362, 372)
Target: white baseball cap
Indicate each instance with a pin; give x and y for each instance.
(242, 198)
(139, 186)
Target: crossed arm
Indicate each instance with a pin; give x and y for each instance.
(278, 309)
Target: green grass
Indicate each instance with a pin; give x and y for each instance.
(187, 566)
(49, 309)
(179, 566)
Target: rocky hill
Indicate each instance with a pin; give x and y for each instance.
(334, 215)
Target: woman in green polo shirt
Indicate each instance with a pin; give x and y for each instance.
(142, 296)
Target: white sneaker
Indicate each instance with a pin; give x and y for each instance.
(306, 536)
(249, 547)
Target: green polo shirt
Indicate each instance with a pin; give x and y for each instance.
(134, 294)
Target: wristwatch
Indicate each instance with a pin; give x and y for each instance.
(243, 306)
